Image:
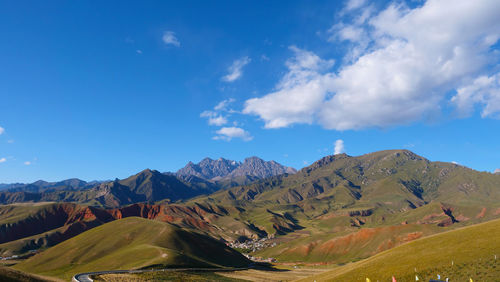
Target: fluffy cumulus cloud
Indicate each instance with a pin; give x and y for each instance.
(339, 147)
(2, 160)
(235, 71)
(485, 91)
(298, 95)
(27, 163)
(228, 133)
(169, 38)
(401, 64)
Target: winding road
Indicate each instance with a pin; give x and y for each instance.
(85, 277)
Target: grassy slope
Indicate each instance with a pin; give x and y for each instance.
(191, 276)
(472, 250)
(15, 212)
(8, 274)
(128, 244)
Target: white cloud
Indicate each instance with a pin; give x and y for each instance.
(339, 147)
(2, 160)
(236, 69)
(214, 118)
(27, 163)
(228, 133)
(169, 38)
(354, 4)
(138, 51)
(484, 90)
(407, 60)
(2, 130)
(455, 163)
(298, 95)
(10, 141)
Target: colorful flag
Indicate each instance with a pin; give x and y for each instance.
(470, 280)
(416, 278)
(394, 279)
(439, 277)
(368, 279)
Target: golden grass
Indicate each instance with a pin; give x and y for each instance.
(458, 254)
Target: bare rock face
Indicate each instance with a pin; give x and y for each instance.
(222, 168)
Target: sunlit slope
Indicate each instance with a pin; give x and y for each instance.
(131, 243)
(8, 274)
(458, 255)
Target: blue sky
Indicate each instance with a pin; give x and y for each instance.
(98, 90)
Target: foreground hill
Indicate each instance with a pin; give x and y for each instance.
(132, 243)
(9, 274)
(468, 252)
(26, 227)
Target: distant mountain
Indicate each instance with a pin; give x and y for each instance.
(209, 168)
(220, 169)
(44, 186)
(145, 186)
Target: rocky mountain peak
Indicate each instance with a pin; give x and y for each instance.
(223, 168)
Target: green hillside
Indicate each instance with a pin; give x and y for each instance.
(460, 254)
(9, 274)
(338, 210)
(131, 243)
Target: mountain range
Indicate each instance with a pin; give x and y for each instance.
(221, 168)
(148, 185)
(339, 209)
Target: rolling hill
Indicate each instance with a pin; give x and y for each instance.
(132, 243)
(339, 209)
(460, 254)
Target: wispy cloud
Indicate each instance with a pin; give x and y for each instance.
(228, 133)
(235, 71)
(27, 163)
(339, 147)
(2, 160)
(10, 141)
(138, 51)
(169, 38)
(2, 130)
(222, 106)
(214, 118)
